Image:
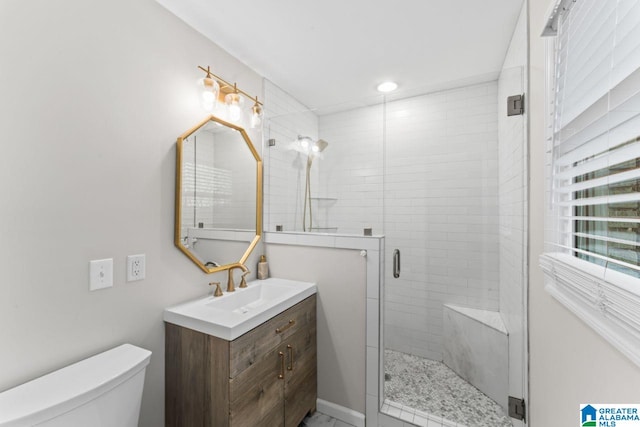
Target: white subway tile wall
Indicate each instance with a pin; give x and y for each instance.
(426, 177)
(512, 191)
(435, 197)
(351, 174)
(284, 169)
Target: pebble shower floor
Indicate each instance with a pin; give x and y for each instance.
(431, 387)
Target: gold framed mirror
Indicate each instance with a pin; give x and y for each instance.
(218, 206)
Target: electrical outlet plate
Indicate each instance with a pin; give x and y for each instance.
(100, 274)
(135, 267)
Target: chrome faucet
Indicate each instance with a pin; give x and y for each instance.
(231, 287)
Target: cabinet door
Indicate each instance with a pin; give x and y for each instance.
(301, 384)
(196, 378)
(256, 394)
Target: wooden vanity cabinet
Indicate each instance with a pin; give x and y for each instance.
(266, 377)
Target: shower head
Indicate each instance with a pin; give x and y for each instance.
(304, 142)
(308, 146)
(319, 146)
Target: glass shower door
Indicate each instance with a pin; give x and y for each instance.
(445, 340)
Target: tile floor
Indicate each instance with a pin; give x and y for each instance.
(425, 393)
(321, 420)
(415, 416)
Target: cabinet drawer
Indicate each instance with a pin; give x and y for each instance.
(253, 346)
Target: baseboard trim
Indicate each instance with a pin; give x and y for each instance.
(341, 413)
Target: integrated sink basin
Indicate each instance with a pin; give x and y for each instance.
(236, 313)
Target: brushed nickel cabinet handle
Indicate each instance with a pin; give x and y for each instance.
(290, 367)
(287, 326)
(281, 354)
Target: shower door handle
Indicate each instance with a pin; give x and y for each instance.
(396, 263)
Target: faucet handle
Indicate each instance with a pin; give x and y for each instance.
(218, 291)
(243, 281)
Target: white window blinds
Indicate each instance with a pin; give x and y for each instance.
(591, 262)
(596, 134)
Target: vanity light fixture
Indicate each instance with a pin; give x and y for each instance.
(387, 87)
(213, 87)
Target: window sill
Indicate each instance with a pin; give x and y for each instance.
(606, 300)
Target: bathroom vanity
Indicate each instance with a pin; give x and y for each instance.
(267, 376)
(248, 357)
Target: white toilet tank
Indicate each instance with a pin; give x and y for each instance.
(102, 391)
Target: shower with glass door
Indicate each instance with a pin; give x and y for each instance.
(442, 176)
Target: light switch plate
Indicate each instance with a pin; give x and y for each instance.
(100, 274)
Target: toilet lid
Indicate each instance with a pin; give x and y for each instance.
(72, 386)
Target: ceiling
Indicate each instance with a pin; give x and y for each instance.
(332, 54)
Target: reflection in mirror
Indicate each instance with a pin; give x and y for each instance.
(218, 200)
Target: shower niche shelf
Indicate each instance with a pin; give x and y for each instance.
(323, 205)
(324, 229)
(325, 199)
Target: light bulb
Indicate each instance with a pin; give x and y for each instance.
(208, 97)
(208, 101)
(234, 112)
(315, 149)
(256, 115)
(209, 94)
(256, 121)
(234, 103)
(387, 86)
(304, 142)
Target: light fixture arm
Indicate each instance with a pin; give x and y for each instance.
(226, 83)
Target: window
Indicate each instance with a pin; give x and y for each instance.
(592, 258)
(607, 233)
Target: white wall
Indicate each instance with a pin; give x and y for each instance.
(340, 275)
(569, 363)
(94, 95)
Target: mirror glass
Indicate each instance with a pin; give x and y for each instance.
(218, 195)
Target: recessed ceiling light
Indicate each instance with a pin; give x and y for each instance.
(387, 86)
